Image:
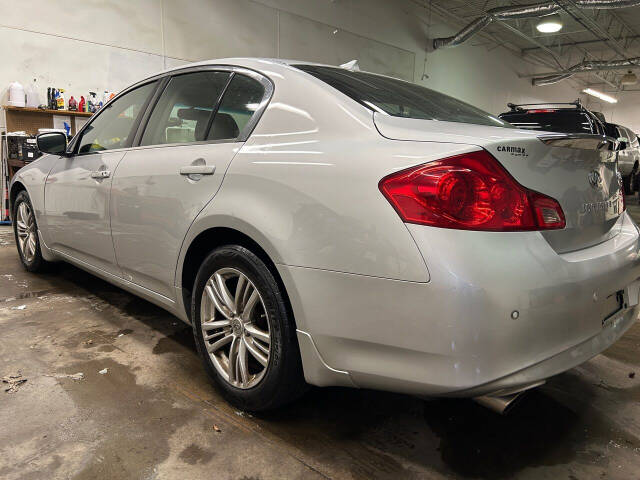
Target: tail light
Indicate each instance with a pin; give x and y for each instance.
(471, 191)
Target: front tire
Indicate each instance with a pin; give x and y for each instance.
(244, 332)
(25, 230)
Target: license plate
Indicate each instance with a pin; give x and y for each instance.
(616, 300)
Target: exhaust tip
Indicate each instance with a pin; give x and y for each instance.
(503, 401)
(502, 404)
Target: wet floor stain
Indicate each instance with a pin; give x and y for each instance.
(181, 341)
(475, 442)
(139, 443)
(23, 295)
(194, 454)
(89, 339)
(381, 433)
(374, 433)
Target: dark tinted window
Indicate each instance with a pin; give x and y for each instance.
(568, 121)
(611, 130)
(112, 126)
(184, 110)
(241, 100)
(400, 98)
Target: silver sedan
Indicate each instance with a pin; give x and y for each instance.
(321, 225)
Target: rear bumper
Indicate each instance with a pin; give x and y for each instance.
(456, 335)
(560, 362)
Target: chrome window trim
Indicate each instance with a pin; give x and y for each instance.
(184, 144)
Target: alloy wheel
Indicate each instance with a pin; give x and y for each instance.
(26, 229)
(235, 328)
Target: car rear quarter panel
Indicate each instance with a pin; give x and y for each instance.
(305, 187)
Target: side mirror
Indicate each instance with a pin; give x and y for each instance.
(52, 142)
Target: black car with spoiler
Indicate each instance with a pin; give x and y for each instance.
(555, 117)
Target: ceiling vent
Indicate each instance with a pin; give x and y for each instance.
(629, 78)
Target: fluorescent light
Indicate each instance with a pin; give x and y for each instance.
(600, 95)
(549, 24)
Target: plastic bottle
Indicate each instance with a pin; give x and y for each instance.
(16, 95)
(60, 100)
(33, 97)
(73, 105)
(93, 102)
(56, 94)
(82, 105)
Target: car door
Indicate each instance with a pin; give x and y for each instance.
(197, 125)
(78, 187)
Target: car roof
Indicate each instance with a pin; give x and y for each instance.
(247, 62)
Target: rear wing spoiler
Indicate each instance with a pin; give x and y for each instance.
(583, 141)
(519, 107)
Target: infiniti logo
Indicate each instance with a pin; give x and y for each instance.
(595, 180)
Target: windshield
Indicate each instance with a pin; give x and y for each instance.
(399, 98)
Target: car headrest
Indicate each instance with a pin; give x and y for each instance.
(224, 126)
(196, 114)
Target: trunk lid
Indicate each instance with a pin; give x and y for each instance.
(578, 170)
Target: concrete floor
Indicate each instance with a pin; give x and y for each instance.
(153, 414)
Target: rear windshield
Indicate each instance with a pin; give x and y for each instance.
(558, 121)
(400, 98)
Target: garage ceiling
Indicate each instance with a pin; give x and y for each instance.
(587, 35)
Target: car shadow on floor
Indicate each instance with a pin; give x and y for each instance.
(379, 433)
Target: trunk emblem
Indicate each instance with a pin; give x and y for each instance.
(595, 180)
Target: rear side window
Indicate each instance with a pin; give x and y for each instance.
(559, 121)
(185, 109)
(112, 126)
(240, 102)
(399, 98)
(629, 137)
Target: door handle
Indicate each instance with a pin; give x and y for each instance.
(101, 174)
(198, 170)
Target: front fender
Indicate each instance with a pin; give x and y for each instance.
(32, 178)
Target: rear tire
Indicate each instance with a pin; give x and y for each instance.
(25, 231)
(248, 341)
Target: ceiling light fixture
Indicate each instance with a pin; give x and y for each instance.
(600, 95)
(629, 78)
(550, 24)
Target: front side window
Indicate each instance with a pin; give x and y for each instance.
(113, 125)
(184, 111)
(399, 98)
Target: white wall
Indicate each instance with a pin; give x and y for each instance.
(83, 45)
(626, 112)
